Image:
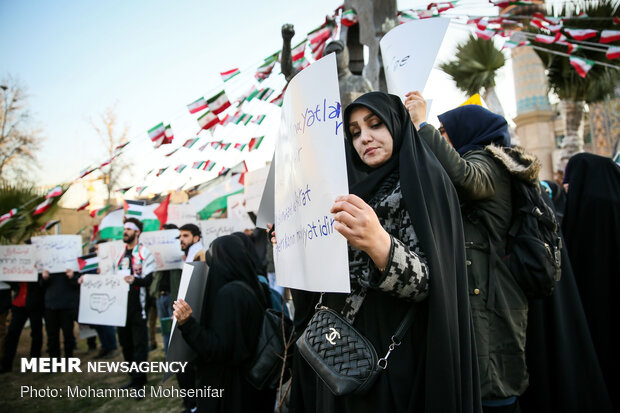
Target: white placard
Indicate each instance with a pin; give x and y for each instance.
(17, 263)
(235, 206)
(181, 214)
(165, 247)
(186, 276)
(103, 300)
(265, 213)
(108, 254)
(409, 51)
(254, 186)
(310, 173)
(57, 253)
(213, 228)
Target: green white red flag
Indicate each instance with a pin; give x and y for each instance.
(581, 34)
(509, 44)
(100, 211)
(582, 66)
(613, 52)
(208, 166)
(208, 120)
(43, 206)
(5, 218)
(49, 225)
(161, 171)
(157, 132)
(264, 70)
(441, 7)
(349, 18)
(168, 136)
(83, 206)
(180, 168)
(259, 119)
(298, 51)
(229, 74)
(197, 105)
(255, 143)
(54, 192)
(265, 93)
(240, 147)
(609, 36)
(218, 103)
(190, 142)
(108, 162)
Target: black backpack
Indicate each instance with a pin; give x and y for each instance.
(534, 243)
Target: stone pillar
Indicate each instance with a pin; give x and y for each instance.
(534, 121)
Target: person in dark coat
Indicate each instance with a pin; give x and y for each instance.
(591, 229)
(225, 338)
(61, 304)
(406, 251)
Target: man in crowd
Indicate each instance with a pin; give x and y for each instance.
(137, 265)
(191, 243)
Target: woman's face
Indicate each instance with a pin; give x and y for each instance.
(371, 138)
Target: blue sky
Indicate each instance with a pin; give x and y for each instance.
(150, 58)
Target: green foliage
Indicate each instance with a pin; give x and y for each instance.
(475, 66)
(23, 225)
(562, 77)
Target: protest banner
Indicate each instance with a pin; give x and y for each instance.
(254, 185)
(108, 253)
(213, 228)
(103, 300)
(17, 263)
(57, 253)
(310, 172)
(181, 214)
(165, 247)
(409, 51)
(235, 206)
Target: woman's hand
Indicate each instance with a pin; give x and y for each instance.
(358, 223)
(80, 280)
(272, 231)
(69, 273)
(182, 311)
(45, 274)
(416, 106)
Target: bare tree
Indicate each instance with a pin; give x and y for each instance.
(19, 140)
(112, 136)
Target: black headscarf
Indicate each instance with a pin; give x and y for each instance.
(451, 374)
(472, 127)
(251, 249)
(229, 261)
(591, 229)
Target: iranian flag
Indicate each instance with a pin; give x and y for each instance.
(609, 36)
(207, 120)
(197, 105)
(613, 52)
(264, 70)
(259, 119)
(157, 132)
(83, 206)
(509, 44)
(278, 99)
(203, 147)
(218, 103)
(134, 208)
(229, 74)
(240, 147)
(349, 18)
(225, 120)
(543, 38)
(582, 66)
(4, 218)
(255, 143)
(298, 51)
(208, 165)
(161, 171)
(43, 206)
(108, 162)
(54, 192)
(172, 153)
(49, 225)
(441, 7)
(320, 35)
(317, 50)
(86, 171)
(190, 142)
(581, 34)
(100, 211)
(168, 136)
(265, 93)
(225, 146)
(485, 34)
(301, 64)
(111, 226)
(407, 16)
(180, 168)
(88, 262)
(197, 165)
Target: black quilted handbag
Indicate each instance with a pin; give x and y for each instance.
(342, 357)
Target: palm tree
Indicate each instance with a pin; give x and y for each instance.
(474, 69)
(572, 90)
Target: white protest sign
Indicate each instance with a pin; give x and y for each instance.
(181, 214)
(235, 206)
(186, 277)
(213, 228)
(254, 186)
(103, 300)
(409, 51)
(265, 213)
(165, 247)
(310, 173)
(108, 253)
(57, 253)
(17, 263)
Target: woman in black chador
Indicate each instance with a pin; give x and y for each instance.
(225, 338)
(406, 248)
(591, 229)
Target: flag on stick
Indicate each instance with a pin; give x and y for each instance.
(134, 208)
(218, 103)
(229, 74)
(88, 262)
(197, 105)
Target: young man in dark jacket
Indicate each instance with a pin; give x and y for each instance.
(61, 304)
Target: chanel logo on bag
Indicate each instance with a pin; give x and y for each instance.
(331, 337)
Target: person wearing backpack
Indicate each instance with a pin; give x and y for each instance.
(471, 151)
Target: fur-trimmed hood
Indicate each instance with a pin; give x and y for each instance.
(519, 163)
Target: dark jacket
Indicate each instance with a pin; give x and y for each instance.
(482, 180)
(61, 292)
(174, 280)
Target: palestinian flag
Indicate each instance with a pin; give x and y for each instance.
(168, 136)
(441, 7)
(609, 36)
(83, 206)
(581, 34)
(223, 171)
(218, 103)
(255, 143)
(54, 192)
(264, 70)
(259, 119)
(208, 165)
(100, 211)
(161, 171)
(197, 105)
(180, 168)
(215, 198)
(157, 132)
(239, 146)
(613, 52)
(229, 74)
(485, 34)
(88, 262)
(49, 225)
(582, 66)
(509, 44)
(4, 218)
(207, 120)
(298, 51)
(190, 142)
(134, 208)
(111, 226)
(161, 212)
(349, 18)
